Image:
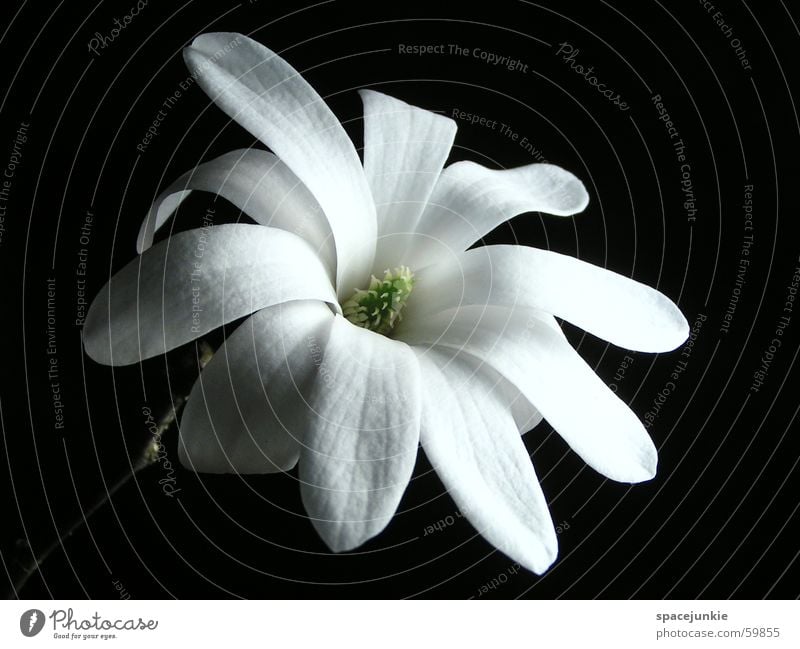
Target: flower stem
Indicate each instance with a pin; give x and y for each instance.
(82, 520)
(148, 457)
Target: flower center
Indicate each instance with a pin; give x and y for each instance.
(378, 307)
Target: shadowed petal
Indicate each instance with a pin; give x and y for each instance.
(606, 304)
(361, 446)
(247, 412)
(269, 98)
(196, 281)
(503, 391)
(472, 442)
(469, 201)
(522, 346)
(405, 149)
(260, 185)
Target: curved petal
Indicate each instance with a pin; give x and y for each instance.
(269, 98)
(361, 446)
(521, 345)
(469, 201)
(505, 393)
(196, 281)
(606, 304)
(472, 442)
(261, 186)
(405, 149)
(247, 410)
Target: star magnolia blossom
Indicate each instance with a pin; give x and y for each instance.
(372, 328)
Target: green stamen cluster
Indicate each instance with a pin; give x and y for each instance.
(378, 307)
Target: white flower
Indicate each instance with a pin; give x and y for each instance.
(461, 352)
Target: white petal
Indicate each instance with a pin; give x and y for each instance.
(247, 411)
(260, 185)
(405, 149)
(267, 96)
(196, 281)
(606, 304)
(469, 201)
(361, 446)
(472, 442)
(505, 393)
(521, 345)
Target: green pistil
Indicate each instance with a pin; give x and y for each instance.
(378, 307)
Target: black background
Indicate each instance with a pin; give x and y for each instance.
(720, 518)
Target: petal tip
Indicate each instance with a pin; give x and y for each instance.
(95, 339)
(583, 202)
(674, 328)
(215, 37)
(682, 330)
(183, 456)
(335, 544)
(644, 471)
(367, 94)
(540, 559)
(340, 537)
(576, 197)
